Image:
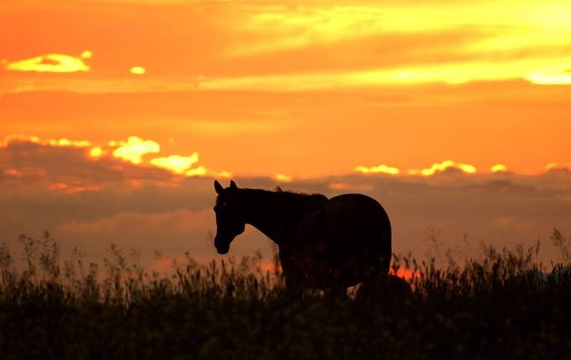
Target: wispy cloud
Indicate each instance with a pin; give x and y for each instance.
(450, 73)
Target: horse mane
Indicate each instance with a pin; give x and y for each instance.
(300, 195)
(298, 201)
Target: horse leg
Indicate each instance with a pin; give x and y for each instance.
(293, 287)
(385, 289)
(336, 291)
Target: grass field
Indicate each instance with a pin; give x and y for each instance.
(500, 306)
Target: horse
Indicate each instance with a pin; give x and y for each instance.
(326, 244)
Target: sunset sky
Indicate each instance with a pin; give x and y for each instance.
(102, 98)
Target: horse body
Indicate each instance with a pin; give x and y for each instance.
(323, 243)
(344, 243)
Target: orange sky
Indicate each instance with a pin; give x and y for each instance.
(305, 89)
(115, 116)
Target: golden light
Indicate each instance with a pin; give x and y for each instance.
(405, 273)
(199, 171)
(294, 27)
(380, 169)
(46, 142)
(138, 70)
(223, 174)
(96, 152)
(86, 54)
(66, 142)
(439, 167)
(283, 178)
(554, 165)
(55, 63)
(549, 78)
(498, 168)
(551, 165)
(135, 148)
(452, 73)
(176, 163)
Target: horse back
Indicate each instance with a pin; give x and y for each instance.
(350, 213)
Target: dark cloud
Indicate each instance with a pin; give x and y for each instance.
(504, 187)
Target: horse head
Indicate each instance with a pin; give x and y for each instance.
(229, 217)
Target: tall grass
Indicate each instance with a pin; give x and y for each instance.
(501, 305)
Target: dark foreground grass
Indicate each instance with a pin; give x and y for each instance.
(500, 307)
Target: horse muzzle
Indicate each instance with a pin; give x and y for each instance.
(221, 246)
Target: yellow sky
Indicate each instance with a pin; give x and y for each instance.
(296, 89)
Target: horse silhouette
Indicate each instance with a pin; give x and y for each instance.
(323, 243)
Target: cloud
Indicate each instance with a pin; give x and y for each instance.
(178, 164)
(63, 142)
(148, 231)
(444, 166)
(78, 166)
(554, 165)
(284, 178)
(134, 149)
(138, 70)
(505, 187)
(380, 169)
(52, 63)
(498, 168)
(417, 74)
(407, 42)
(557, 73)
(92, 202)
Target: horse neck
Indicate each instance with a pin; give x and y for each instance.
(270, 212)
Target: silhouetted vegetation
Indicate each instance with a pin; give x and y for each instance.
(500, 306)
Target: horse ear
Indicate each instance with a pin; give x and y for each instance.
(218, 187)
(233, 185)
